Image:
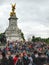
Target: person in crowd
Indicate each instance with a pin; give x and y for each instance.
(35, 60)
(20, 60)
(25, 58)
(4, 60)
(30, 58)
(15, 59)
(10, 59)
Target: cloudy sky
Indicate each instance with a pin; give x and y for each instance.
(33, 16)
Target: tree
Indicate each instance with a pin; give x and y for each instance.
(33, 38)
(22, 35)
(38, 39)
(2, 38)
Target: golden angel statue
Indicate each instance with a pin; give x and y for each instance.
(13, 10)
(13, 7)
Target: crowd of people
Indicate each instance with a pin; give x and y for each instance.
(24, 53)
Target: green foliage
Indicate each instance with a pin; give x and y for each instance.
(33, 38)
(22, 35)
(36, 39)
(2, 38)
(47, 40)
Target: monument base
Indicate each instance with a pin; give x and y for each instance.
(14, 39)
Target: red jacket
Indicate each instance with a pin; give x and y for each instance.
(15, 59)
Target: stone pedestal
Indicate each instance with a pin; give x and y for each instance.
(13, 33)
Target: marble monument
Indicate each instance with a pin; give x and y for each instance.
(13, 33)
